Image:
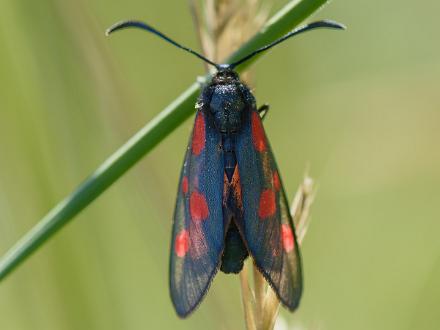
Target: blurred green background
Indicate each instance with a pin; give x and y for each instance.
(360, 108)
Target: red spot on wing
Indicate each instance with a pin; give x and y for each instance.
(181, 245)
(198, 207)
(276, 181)
(258, 137)
(198, 140)
(267, 205)
(185, 184)
(287, 238)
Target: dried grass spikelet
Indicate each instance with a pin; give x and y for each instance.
(222, 26)
(261, 304)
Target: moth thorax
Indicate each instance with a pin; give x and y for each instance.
(227, 105)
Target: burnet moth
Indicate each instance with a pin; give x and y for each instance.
(231, 202)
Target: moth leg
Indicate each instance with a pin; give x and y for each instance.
(263, 110)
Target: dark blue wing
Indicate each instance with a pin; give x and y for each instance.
(267, 225)
(198, 231)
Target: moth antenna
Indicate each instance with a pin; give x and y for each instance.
(315, 25)
(137, 24)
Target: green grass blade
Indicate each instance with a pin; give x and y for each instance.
(144, 141)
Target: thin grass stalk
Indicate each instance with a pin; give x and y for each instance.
(248, 300)
(260, 292)
(270, 309)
